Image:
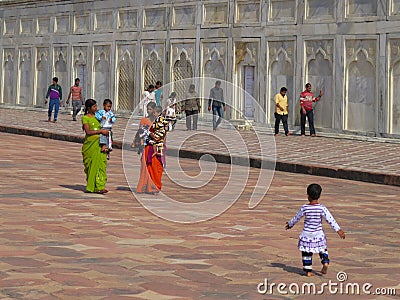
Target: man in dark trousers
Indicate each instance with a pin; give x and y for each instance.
(216, 102)
(306, 103)
(55, 93)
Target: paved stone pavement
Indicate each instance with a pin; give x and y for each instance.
(373, 160)
(57, 242)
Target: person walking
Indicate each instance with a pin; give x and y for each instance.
(146, 183)
(55, 93)
(281, 111)
(313, 239)
(216, 103)
(77, 100)
(306, 111)
(192, 107)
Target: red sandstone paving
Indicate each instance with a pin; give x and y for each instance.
(57, 242)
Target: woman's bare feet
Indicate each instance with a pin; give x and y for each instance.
(324, 269)
(309, 274)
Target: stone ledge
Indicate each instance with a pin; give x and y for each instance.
(332, 172)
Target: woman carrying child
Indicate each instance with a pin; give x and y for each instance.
(94, 160)
(146, 184)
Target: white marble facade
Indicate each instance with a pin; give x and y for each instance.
(348, 48)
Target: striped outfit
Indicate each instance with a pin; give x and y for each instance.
(313, 239)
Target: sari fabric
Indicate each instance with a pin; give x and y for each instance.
(145, 184)
(94, 161)
(154, 167)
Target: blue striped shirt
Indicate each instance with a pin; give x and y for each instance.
(313, 215)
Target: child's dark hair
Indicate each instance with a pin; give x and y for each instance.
(107, 101)
(173, 94)
(151, 104)
(158, 109)
(88, 104)
(314, 191)
(55, 79)
(283, 89)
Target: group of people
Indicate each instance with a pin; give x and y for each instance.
(54, 92)
(150, 140)
(190, 105)
(306, 110)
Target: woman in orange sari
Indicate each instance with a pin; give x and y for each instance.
(150, 175)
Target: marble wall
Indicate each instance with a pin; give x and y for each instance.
(347, 48)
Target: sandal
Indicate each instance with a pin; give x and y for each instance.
(102, 191)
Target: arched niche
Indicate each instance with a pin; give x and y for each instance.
(25, 81)
(214, 68)
(60, 68)
(101, 79)
(43, 79)
(281, 75)
(182, 69)
(395, 98)
(126, 83)
(320, 75)
(153, 70)
(8, 88)
(361, 94)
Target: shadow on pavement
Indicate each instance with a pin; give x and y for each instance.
(76, 187)
(288, 269)
(125, 188)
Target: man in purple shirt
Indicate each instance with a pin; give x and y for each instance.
(55, 93)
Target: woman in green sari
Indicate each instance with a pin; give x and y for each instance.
(94, 161)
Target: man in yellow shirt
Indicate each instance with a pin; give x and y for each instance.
(281, 111)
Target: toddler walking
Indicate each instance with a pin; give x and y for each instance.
(107, 118)
(312, 239)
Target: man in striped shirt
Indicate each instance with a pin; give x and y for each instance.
(306, 103)
(77, 101)
(313, 239)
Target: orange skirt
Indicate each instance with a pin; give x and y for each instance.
(150, 174)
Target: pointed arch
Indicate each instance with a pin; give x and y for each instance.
(280, 51)
(355, 57)
(126, 83)
(153, 69)
(182, 69)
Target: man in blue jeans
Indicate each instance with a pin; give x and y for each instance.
(55, 93)
(216, 102)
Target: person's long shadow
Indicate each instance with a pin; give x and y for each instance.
(76, 187)
(288, 269)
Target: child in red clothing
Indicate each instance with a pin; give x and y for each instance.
(306, 101)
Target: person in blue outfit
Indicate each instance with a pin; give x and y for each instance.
(55, 93)
(216, 103)
(158, 93)
(106, 118)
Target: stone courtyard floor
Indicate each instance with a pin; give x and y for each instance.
(57, 242)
